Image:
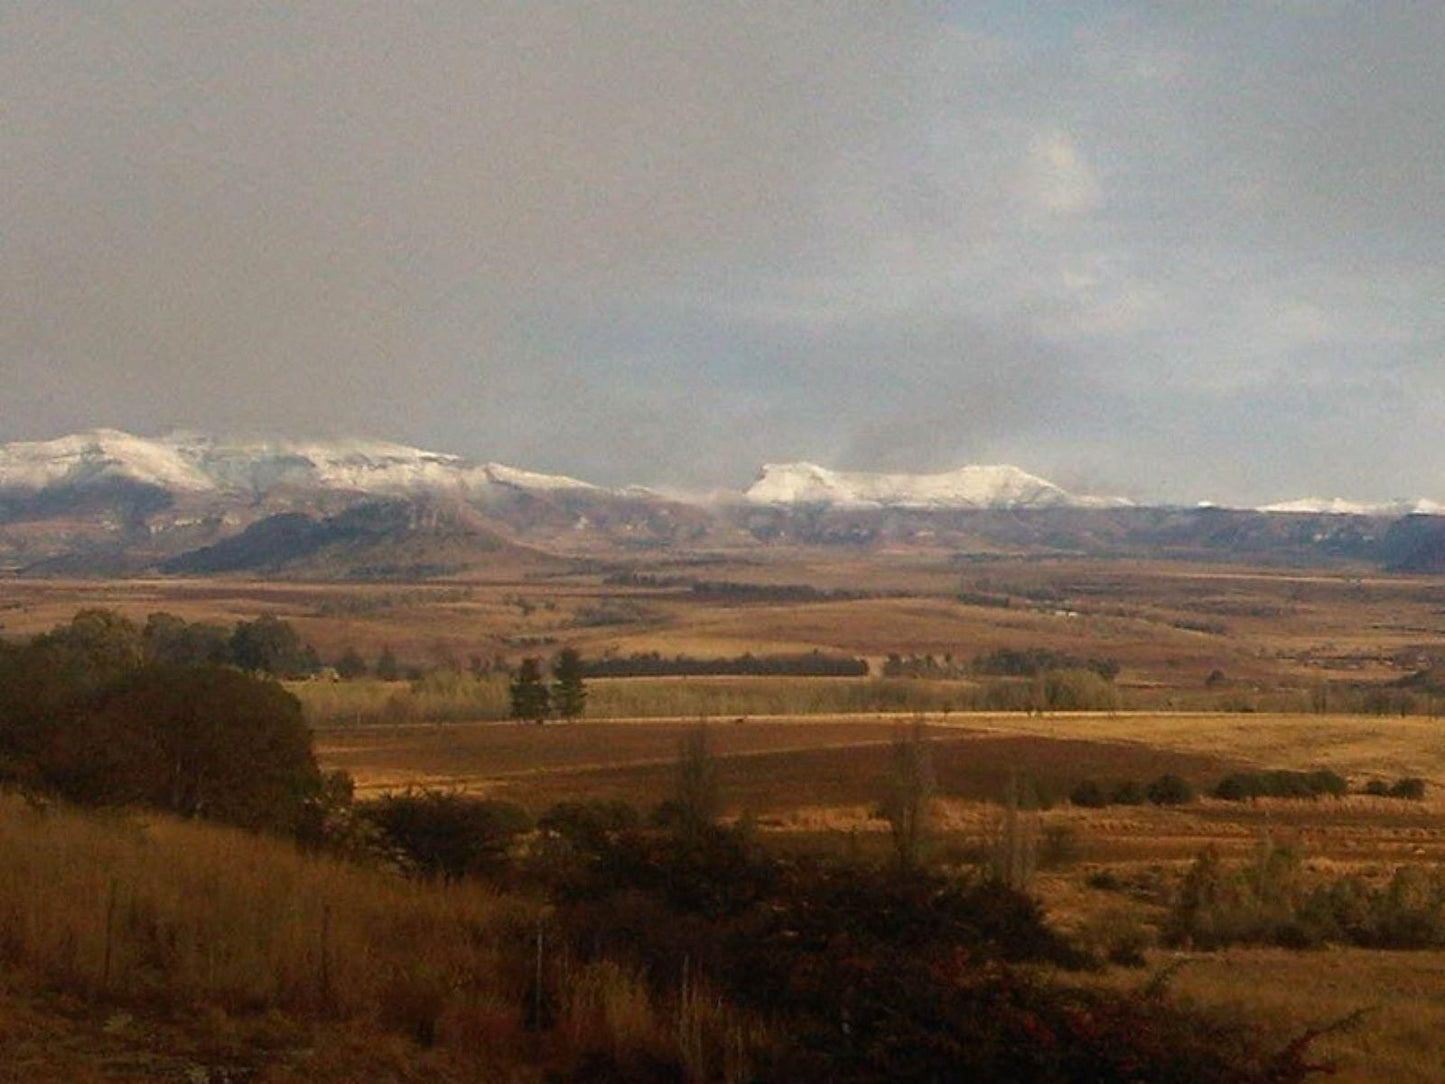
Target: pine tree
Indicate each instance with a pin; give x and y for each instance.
(530, 701)
(569, 692)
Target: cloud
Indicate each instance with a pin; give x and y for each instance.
(1180, 251)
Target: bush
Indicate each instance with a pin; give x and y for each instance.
(1239, 786)
(1408, 787)
(1170, 790)
(1271, 902)
(1128, 792)
(1088, 795)
(445, 834)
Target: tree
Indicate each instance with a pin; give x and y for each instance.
(351, 665)
(569, 692)
(271, 646)
(170, 639)
(908, 794)
(697, 790)
(198, 741)
(530, 701)
(446, 834)
(387, 668)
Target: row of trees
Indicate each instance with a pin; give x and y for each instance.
(535, 699)
(798, 664)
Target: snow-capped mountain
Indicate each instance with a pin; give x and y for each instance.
(1338, 506)
(196, 463)
(967, 487)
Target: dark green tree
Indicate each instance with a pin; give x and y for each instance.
(351, 665)
(199, 741)
(170, 639)
(530, 700)
(269, 645)
(569, 690)
(387, 668)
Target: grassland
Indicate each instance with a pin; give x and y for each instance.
(145, 949)
(804, 757)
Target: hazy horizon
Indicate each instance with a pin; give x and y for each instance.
(1171, 254)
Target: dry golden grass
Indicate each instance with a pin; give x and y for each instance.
(226, 948)
(1354, 745)
(1399, 1038)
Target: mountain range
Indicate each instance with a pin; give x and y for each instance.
(108, 502)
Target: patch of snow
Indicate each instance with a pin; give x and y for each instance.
(1338, 506)
(96, 456)
(195, 462)
(998, 486)
(525, 479)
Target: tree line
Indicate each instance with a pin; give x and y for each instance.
(801, 664)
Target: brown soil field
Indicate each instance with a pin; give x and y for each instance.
(821, 777)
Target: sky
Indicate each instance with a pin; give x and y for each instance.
(1172, 251)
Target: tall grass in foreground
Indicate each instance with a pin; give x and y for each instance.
(176, 916)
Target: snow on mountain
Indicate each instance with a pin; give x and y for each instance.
(97, 456)
(967, 487)
(1338, 506)
(526, 479)
(195, 463)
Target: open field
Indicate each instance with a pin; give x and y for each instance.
(1274, 634)
(822, 776)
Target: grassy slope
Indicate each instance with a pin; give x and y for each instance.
(148, 949)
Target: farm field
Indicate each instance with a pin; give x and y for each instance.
(821, 776)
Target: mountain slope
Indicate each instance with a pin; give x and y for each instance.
(383, 539)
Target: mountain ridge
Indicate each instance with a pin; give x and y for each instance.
(105, 502)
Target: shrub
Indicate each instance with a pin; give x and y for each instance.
(1170, 789)
(1270, 902)
(1408, 787)
(1128, 792)
(199, 741)
(1240, 786)
(445, 834)
(1378, 788)
(1088, 795)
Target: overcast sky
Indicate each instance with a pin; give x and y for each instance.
(1177, 251)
